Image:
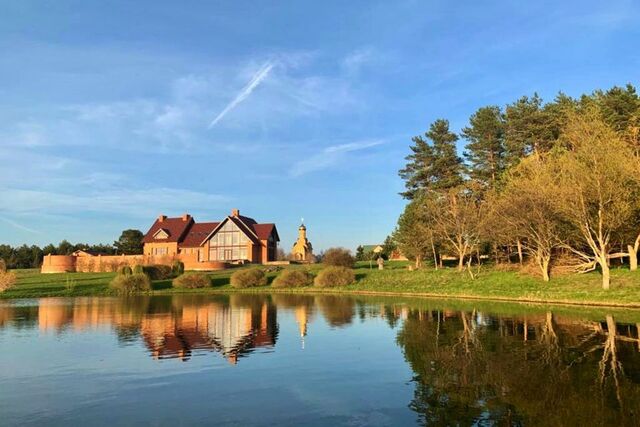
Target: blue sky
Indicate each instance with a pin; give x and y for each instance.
(114, 112)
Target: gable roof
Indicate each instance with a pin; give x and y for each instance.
(263, 231)
(370, 248)
(175, 227)
(197, 233)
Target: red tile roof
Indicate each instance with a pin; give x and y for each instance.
(175, 227)
(197, 234)
(190, 234)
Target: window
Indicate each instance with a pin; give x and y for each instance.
(160, 251)
(229, 243)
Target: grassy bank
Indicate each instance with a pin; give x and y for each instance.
(490, 284)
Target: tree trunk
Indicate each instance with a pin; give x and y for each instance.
(604, 265)
(461, 262)
(435, 255)
(544, 265)
(519, 244)
(633, 258)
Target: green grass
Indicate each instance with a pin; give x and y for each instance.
(396, 279)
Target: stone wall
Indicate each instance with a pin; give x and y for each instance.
(111, 263)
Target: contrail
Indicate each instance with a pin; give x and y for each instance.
(19, 226)
(262, 73)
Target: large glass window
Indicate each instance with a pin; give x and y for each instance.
(228, 244)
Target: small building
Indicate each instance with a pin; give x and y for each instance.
(372, 249)
(236, 238)
(302, 249)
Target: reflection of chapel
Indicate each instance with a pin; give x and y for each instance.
(302, 249)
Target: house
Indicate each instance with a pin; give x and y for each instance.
(236, 238)
(372, 249)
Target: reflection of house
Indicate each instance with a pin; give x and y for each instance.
(228, 329)
(302, 249)
(235, 238)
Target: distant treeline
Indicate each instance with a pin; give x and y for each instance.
(130, 242)
(557, 183)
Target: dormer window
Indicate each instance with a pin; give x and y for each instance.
(161, 234)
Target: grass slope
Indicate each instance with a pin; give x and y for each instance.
(489, 284)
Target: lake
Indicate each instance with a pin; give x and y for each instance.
(245, 359)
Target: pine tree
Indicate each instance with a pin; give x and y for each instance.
(527, 129)
(485, 151)
(433, 166)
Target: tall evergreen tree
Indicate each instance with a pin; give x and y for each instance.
(434, 166)
(527, 129)
(485, 151)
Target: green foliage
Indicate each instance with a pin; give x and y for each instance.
(192, 281)
(130, 242)
(178, 268)
(334, 276)
(485, 151)
(132, 283)
(138, 269)
(360, 253)
(338, 257)
(432, 167)
(125, 270)
(158, 271)
(248, 278)
(293, 279)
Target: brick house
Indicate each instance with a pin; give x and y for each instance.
(236, 238)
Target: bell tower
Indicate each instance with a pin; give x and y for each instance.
(302, 249)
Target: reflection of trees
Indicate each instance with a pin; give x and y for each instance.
(337, 310)
(474, 369)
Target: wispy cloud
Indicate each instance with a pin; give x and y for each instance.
(330, 156)
(255, 81)
(147, 202)
(18, 226)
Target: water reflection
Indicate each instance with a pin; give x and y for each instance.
(542, 369)
(470, 366)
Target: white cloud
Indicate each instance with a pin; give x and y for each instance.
(330, 156)
(143, 203)
(18, 226)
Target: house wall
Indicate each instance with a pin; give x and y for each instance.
(172, 247)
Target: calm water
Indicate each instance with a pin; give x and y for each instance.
(313, 360)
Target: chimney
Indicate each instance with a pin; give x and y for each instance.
(186, 217)
(161, 218)
(235, 212)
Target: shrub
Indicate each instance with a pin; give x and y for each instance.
(7, 280)
(178, 268)
(248, 278)
(334, 276)
(131, 283)
(158, 271)
(338, 257)
(293, 279)
(138, 269)
(125, 270)
(3, 266)
(192, 281)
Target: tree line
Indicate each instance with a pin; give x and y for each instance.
(556, 184)
(130, 242)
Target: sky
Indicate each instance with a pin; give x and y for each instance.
(112, 113)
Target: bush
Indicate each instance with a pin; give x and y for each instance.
(125, 270)
(248, 278)
(334, 276)
(338, 257)
(3, 266)
(138, 269)
(192, 281)
(158, 271)
(131, 283)
(293, 279)
(178, 268)
(7, 280)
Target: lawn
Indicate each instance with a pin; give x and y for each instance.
(396, 279)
